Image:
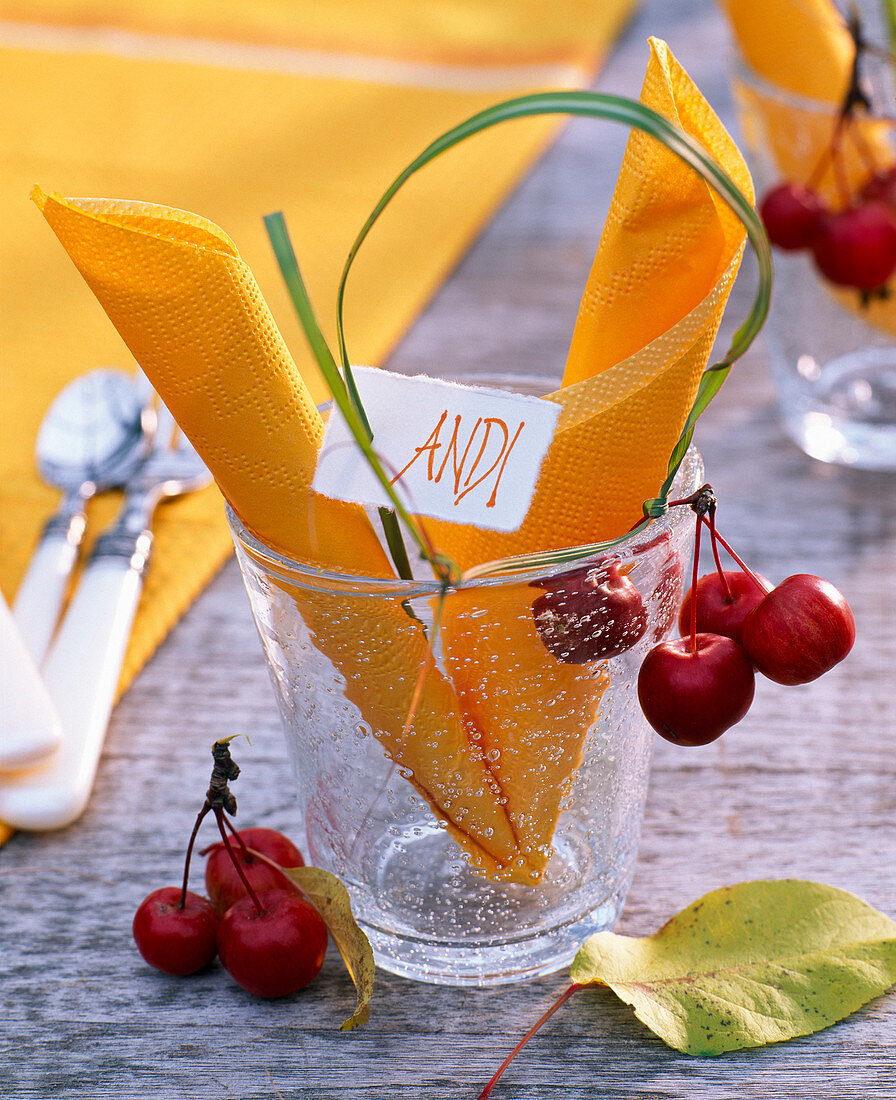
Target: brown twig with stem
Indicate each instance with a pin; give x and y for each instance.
(218, 799)
(855, 99)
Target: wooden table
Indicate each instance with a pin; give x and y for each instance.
(804, 787)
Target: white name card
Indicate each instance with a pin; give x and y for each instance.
(462, 453)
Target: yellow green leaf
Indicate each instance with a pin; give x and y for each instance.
(748, 964)
(330, 898)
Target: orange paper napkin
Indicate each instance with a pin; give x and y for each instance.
(649, 315)
(648, 318)
(189, 309)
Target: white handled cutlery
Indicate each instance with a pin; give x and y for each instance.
(29, 725)
(83, 666)
(92, 438)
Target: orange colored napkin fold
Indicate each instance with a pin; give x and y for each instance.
(648, 319)
(649, 315)
(190, 310)
(527, 711)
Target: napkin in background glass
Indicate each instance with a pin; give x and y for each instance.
(804, 53)
(797, 58)
(237, 109)
(802, 46)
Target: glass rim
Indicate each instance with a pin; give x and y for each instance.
(334, 581)
(747, 75)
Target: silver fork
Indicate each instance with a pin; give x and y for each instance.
(84, 664)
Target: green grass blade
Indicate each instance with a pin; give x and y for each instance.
(351, 409)
(630, 113)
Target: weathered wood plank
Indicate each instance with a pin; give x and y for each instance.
(805, 787)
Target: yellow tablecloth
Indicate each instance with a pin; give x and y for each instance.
(234, 110)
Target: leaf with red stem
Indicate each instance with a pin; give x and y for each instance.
(746, 965)
(749, 964)
(561, 1000)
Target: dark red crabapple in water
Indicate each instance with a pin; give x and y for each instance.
(664, 600)
(589, 614)
(274, 952)
(691, 692)
(176, 940)
(881, 188)
(790, 213)
(666, 597)
(720, 611)
(857, 246)
(222, 880)
(800, 630)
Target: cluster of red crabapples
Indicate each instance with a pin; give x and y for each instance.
(270, 939)
(854, 246)
(732, 623)
(853, 243)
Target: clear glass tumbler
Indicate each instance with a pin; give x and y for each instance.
(480, 797)
(833, 358)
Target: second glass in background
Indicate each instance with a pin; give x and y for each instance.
(835, 371)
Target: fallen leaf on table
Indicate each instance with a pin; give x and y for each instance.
(743, 966)
(748, 964)
(330, 898)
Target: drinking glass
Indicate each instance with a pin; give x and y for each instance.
(834, 365)
(561, 751)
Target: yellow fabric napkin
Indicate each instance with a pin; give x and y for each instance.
(804, 54)
(237, 109)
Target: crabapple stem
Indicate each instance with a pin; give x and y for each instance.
(183, 890)
(694, 576)
(700, 497)
(854, 97)
(864, 150)
(746, 569)
(818, 171)
(561, 1000)
(234, 832)
(723, 580)
(219, 817)
(262, 858)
